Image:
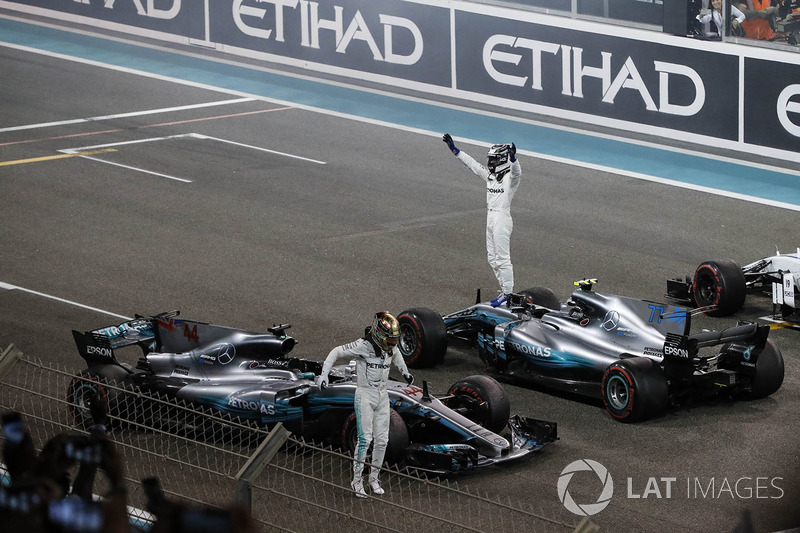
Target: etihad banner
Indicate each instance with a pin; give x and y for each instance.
(772, 113)
(405, 40)
(603, 75)
(175, 17)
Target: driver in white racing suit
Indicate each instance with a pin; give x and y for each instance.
(502, 175)
(372, 354)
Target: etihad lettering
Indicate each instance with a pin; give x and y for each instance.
(149, 10)
(270, 23)
(786, 105)
(500, 49)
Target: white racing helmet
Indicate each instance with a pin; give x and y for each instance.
(498, 160)
(385, 330)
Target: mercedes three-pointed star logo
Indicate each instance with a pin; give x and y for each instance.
(225, 353)
(611, 320)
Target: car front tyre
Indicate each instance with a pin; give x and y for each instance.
(481, 399)
(423, 337)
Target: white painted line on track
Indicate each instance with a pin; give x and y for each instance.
(174, 178)
(135, 169)
(665, 181)
(126, 115)
(122, 143)
(9, 287)
(191, 135)
(200, 136)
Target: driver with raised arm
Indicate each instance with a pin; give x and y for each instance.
(502, 175)
(372, 354)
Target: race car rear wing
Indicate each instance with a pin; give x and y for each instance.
(686, 347)
(97, 346)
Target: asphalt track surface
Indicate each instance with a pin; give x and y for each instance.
(248, 211)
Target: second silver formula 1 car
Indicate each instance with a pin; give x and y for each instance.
(638, 356)
(251, 376)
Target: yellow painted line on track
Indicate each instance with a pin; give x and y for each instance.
(51, 157)
(781, 325)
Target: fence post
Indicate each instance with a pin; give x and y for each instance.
(256, 463)
(7, 359)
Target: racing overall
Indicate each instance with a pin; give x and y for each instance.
(499, 193)
(371, 399)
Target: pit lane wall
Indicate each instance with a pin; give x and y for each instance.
(712, 93)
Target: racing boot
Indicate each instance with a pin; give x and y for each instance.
(501, 299)
(358, 487)
(375, 485)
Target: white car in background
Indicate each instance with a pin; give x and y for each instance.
(719, 287)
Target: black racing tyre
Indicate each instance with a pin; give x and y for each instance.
(543, 296)
(423, 337)
(481, 399)
(398, 437)
(83, 387)
(719, 284)
(769, 372)
(635, 389)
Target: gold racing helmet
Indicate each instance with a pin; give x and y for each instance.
(385, 330)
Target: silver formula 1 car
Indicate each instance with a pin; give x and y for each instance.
(251, 376)
(638, 356)
(719, 287)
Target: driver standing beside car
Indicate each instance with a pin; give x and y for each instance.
(372, 354)
(502, 175)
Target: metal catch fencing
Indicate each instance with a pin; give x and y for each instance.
(203, 458)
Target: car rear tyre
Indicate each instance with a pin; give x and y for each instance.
(635, 389)
(543, 296)
(719, 284)
(481, 399)
(398, 438)
(769, 372)
(423, 337)
(86, 384)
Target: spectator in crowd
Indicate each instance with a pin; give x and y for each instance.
(760, 16)
(41, 497)
(714, 17)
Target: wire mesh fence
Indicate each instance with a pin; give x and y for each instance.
(199, 456)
